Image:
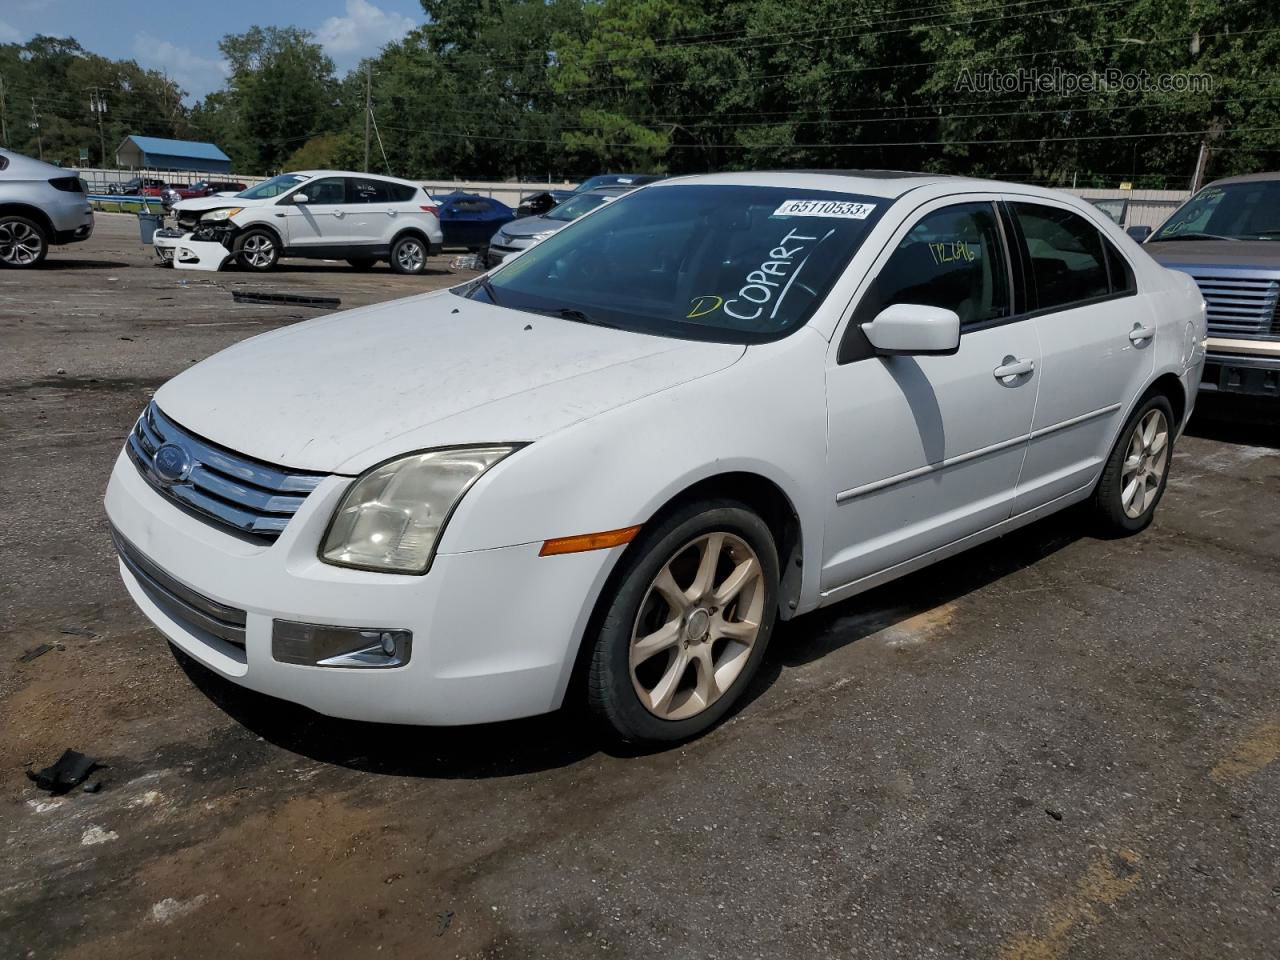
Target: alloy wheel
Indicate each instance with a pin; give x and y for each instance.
(20, 244)
(410, 256)
(258, 250)
(697, 626)
(1144, 465)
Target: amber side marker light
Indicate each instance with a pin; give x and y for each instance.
(589, 541)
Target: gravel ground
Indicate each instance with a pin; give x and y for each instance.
(1053, 747)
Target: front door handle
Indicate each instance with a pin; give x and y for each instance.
(1141, 334)
(391, 213)
(1012, 367)
(339, 214)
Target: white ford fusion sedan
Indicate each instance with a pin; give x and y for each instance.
(602, 472)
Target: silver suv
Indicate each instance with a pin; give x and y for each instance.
(40, 204)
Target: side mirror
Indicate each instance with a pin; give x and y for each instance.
(913, 328)
(1139, 234)
(300, 198)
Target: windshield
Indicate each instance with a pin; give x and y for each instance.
(274, 187)
(573, 209)
(1232, 211)
(709, 262)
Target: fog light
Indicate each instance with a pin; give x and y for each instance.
(321, 645)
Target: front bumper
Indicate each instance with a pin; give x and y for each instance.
(1254, 376)
(495, 632)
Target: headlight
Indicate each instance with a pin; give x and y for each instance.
(392, 516)
(226, 214)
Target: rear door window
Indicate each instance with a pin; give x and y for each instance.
(368, 191)
(1066, 259)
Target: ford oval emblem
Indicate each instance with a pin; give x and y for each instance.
(172, 463)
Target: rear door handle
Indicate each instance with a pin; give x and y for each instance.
(1012, 367)
(1140, 334)
(391, 213)
(339, 214)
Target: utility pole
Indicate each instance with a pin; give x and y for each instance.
(1202, 161)
(98, 106)
(4, 130)
(368, 110)
(35, 125)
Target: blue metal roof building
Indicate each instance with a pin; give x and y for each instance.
(158, 153)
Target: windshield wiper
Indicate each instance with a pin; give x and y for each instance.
(483, 283)
(1193, 235)
(578, 316)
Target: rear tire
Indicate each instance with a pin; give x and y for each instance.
(1137, 471)
(687, 624)
(23, 242)
(409, 255)
(258, 249)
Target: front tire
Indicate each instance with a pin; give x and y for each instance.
(1137, 471)
(687, 624)
(258, 250)
(23, 242)
(409, 255)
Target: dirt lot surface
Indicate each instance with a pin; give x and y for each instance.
(1054, 747)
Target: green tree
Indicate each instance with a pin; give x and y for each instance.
(281, 93)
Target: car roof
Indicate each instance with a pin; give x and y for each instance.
(20, 163)
(887, 184)
(1246, 178)
(615, 190)
(352, 173)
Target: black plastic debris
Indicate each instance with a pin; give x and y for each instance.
(71, 770)
(442, 922)
(285, 299)
(39, 651)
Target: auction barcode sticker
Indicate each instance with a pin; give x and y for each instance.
(840, 209)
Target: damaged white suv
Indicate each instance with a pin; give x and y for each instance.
(321, 214)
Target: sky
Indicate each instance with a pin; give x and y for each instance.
(182, 38)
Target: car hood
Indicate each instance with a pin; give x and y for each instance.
(1215, 253)
(528, 226)
(343, 392)
(217, 201)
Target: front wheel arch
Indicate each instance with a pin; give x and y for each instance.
(754, 491)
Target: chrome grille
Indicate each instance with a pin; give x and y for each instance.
(1241, 303)
(192, 609)
(237, 492)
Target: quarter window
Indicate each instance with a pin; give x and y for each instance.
(1122, 280)
(952, 258)
(1067, 261)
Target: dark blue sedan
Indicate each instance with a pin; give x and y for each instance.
(469, 220)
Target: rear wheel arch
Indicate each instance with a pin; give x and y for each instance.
(34, 214)
(1171, 386)
(413, 232)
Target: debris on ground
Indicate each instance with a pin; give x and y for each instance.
(288, 299)
(71, 770)
(443, 920)
(39, 651)
(94, 835)
(471, 262)
(1056, 814)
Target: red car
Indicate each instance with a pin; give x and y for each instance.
(201, 188)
